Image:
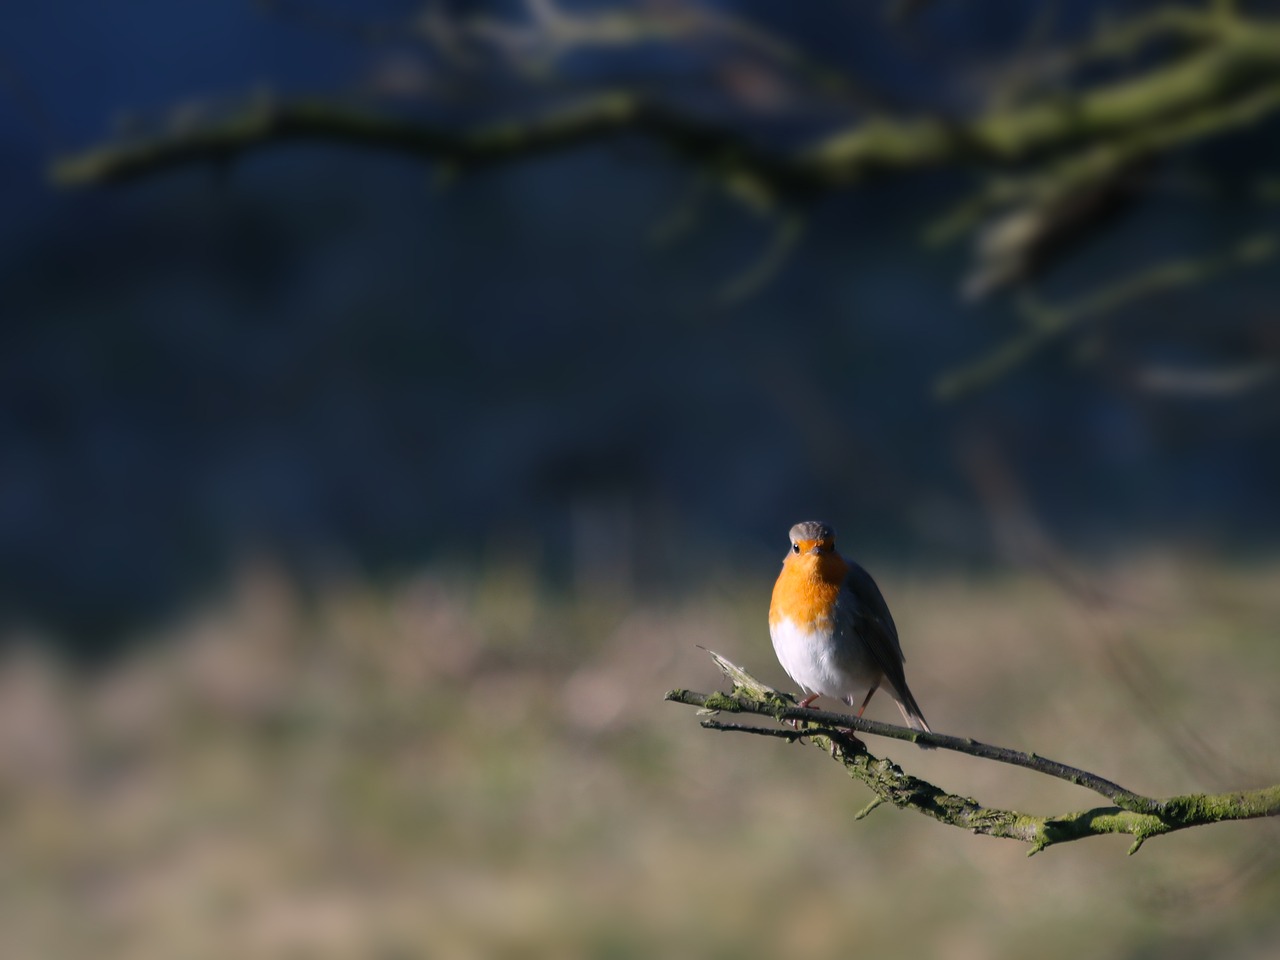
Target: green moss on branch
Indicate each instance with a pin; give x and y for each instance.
(1133, 815)
(1234, 63)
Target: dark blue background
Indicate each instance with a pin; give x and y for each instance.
(331, 357)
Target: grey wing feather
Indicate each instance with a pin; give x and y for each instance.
(874, 624)
(874, 621)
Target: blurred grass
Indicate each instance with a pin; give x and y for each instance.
(463, 767)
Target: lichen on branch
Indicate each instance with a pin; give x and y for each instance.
(1132, 814)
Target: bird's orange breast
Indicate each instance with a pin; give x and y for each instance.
(807, 587)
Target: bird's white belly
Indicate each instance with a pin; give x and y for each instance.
(815, 660)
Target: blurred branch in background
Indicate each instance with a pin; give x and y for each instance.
(1047, 323)
(1232, 83)
(1133, 814)
(1065, 136)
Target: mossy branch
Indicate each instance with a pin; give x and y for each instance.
(1056, 158)
(261, 124)
(1238, 63)
(1131, 813)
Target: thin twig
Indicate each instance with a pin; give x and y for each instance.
(828, 720)
(1049, 323)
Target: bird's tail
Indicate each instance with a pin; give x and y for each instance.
(912, 715)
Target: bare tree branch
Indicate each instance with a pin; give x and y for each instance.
(1238, 73)
(1048, 323)
(1133, 814)
(596, 118)
(1059, 154)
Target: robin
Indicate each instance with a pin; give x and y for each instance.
(831, 628)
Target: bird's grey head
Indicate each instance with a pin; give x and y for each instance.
(812, 533)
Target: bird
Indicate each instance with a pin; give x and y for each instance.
(832, 630)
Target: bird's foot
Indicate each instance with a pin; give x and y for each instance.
(795, 724)
(851, 742)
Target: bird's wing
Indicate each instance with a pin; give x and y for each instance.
(868, 615)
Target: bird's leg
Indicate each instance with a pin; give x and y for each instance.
(851, 735)
(874, 688)
(852, 739)
(795, 724)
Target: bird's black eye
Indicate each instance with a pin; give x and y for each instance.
(795, 548)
